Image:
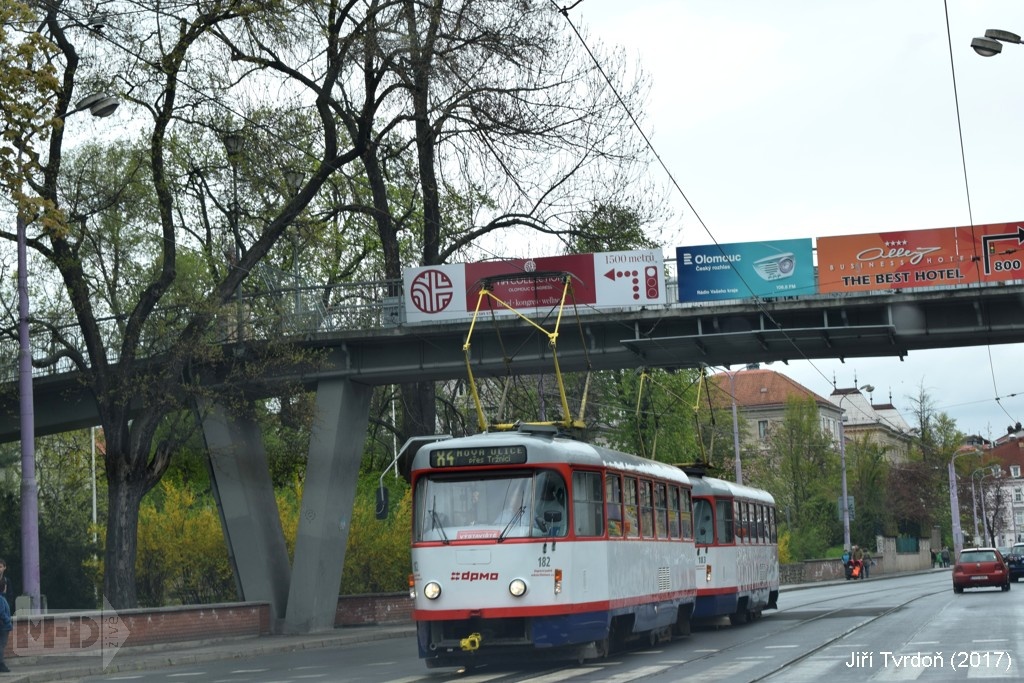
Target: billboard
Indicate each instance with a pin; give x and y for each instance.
(604, 280)
(744, 270)
(921, 258)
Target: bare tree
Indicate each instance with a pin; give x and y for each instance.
(436, 123)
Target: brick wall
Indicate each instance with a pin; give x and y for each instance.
(55, 633)
(384, 608)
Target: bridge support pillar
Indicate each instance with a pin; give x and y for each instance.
(249, 517)
(335, 451)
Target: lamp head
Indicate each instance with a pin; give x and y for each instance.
(99, 104)
(992, 43)
(986, 47)
(233, 143)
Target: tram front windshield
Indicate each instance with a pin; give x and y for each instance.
(480, 508)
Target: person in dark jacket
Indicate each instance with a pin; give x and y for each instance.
(6, 626)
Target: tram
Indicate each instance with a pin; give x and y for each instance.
(529, 541)
(737, 549)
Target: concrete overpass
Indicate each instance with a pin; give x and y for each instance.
(303, 595)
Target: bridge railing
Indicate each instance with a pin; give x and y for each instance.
(277, 304)
(264, 312)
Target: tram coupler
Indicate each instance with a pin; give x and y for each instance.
(471, 643)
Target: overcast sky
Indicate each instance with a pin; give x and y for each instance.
(806, 118)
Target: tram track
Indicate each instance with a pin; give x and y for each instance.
(605, 671)
(853, 629)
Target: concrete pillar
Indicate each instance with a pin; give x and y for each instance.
(249, 516)
(332, 471)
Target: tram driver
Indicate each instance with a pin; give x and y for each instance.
(550, 517)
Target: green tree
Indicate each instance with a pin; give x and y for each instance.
(868, 472)
(657, 414)
(801, 471)
(150, 248)
(377, 557)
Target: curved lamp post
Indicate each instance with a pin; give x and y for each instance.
(954, 505)
(842, 459)
(735, 426)
(233, 142)
(101, 106)
(993, 471)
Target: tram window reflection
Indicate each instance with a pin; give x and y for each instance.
(613, 505)
(724, 521)
(587, 504)
(631, 509)
(705, 531)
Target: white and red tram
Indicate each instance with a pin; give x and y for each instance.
(737, 549)
(527, 540)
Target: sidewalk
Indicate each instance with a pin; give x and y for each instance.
(142, 658)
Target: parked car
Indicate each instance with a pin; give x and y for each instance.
(980, 567)
(1015, 561)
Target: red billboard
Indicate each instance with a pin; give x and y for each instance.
(921, 258)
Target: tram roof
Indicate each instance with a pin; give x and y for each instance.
(550, 448)
(705, 486)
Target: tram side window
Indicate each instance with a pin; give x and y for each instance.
(587, 503)
(630, 508)
(646, 511)
(737, 515)
(686, 514)
(774, 534)
(762, 530)
(724, 529)
(661, 510)
(674, 530)
(613, 504)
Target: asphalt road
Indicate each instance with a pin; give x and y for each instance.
(904, 628)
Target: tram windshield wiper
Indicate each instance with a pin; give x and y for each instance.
(439, 525)
(512, 522)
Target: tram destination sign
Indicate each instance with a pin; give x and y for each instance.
(475, 457)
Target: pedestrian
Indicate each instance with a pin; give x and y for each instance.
(6, 625)
(4, 584)
(867, 564)
(945, 556)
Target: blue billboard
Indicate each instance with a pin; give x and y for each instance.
(744, 270)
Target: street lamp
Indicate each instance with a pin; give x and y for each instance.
(735, 427)
(992, 43)
(954, 504)
(233, 142)
(974, 501)
(294, 178)
(100, 106)
(842, 460)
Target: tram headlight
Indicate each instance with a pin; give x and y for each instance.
(517, 588)
(432, 590)
(558, 581)
(707, 573)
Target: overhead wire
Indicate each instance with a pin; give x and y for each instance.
(564, 11)
(967, 191)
